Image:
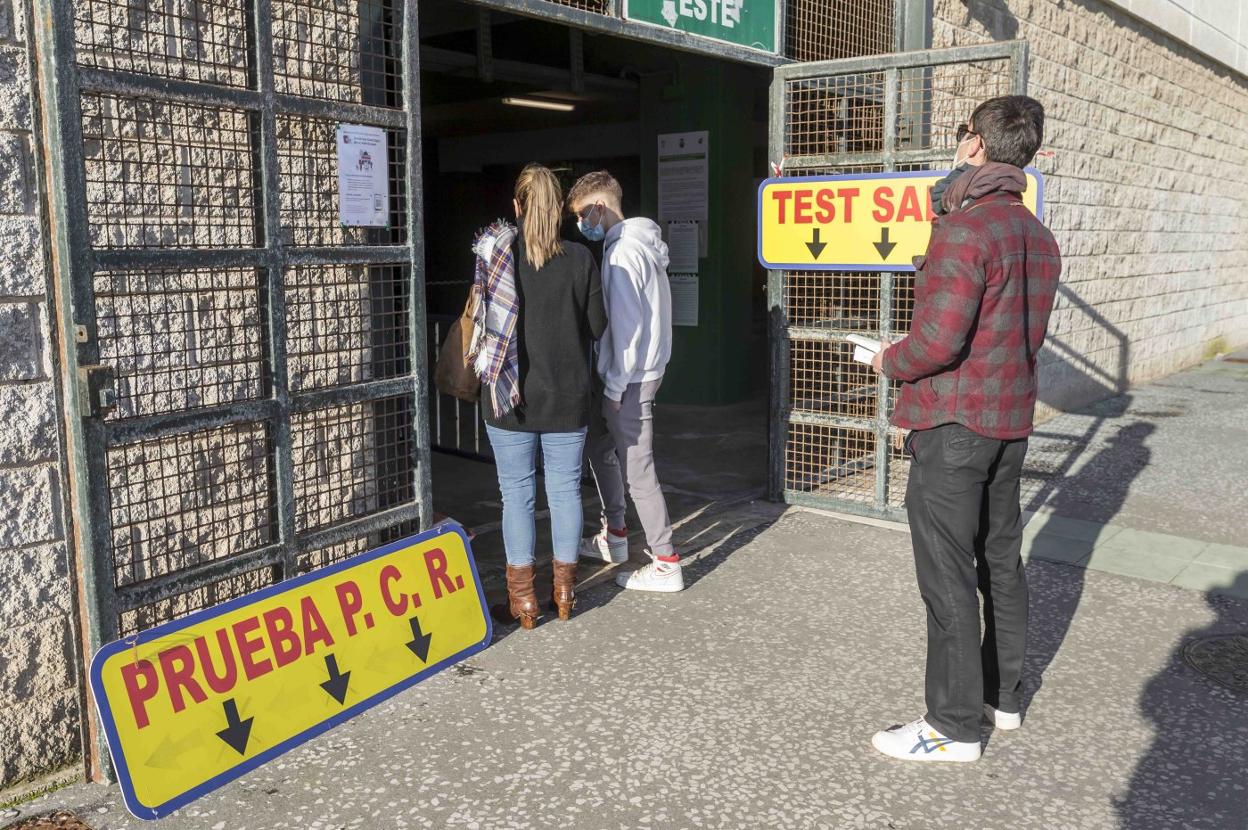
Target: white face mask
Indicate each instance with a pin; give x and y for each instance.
(958, 159)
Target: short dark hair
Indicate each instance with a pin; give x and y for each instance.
(1011, 127)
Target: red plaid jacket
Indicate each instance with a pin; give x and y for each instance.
(982, 298)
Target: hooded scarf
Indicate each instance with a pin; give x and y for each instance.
(980, 181)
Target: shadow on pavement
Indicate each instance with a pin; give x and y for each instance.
(1194, 773)
(1125, 457)
(711, 463)
(1067, 374)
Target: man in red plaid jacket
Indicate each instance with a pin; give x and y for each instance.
(983, 295)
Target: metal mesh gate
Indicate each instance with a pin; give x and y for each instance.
(250, 373)
(831, 444)
(819, 30)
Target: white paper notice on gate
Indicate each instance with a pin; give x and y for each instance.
(363, 177)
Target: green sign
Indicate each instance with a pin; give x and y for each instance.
(750, 23)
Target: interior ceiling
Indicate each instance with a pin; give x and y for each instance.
(530, 59)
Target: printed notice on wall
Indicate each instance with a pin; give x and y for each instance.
(363, 177)
(683, 177)
(684, 299)
(682, 247)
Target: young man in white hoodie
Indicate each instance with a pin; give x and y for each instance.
(632, 357)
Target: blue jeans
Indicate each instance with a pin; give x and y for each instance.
(515, 456)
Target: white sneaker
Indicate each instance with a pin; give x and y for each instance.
(1008, 721)
(663, 577)
(918, 741)
(605, 547)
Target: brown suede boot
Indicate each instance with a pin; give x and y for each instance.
(564, 595)
(521, 598)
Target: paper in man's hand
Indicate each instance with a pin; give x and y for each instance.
(865, 349)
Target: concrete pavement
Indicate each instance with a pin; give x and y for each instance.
(749, 700)
(1150, 484)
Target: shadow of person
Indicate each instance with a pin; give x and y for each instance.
(1094, 494)
(1194, 772)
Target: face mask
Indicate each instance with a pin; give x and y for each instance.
(958, 159)
(594, 233)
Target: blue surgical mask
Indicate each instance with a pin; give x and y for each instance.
(595, 232)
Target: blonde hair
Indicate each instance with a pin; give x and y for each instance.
(541, 203)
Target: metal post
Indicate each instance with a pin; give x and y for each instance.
(777, 323)
(887, 278)
(74, 308)
(423, 483)
(1019, 65)
(914, 25)
(275, 271)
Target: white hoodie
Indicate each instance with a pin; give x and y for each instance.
(637, 344)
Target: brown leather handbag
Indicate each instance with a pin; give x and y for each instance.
(453, 374)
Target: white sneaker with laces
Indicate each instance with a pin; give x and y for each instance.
(661, 577)
(605, 547)
(919, 741)
(1007, 721)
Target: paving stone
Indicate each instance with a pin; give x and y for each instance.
(1077, 529)
(1145, 543)
(1226, 556)
(1136, 563)
(1200, 576)
(1056, 549)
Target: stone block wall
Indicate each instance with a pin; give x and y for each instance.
(1147, 189)
(39, 694)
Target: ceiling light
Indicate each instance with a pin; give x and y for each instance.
(539, 104)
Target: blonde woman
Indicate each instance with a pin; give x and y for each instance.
(543, 308)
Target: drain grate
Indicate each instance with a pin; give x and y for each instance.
(1223, 659)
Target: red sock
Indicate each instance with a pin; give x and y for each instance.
(619, 534)
(673, 557)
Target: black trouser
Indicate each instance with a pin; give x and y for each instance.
(963, 503)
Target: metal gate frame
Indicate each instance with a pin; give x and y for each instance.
(781, 332)
(86, 384)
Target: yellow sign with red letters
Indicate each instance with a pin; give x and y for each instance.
(197, 702)
(860, 222)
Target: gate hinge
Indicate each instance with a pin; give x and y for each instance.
(97, 390)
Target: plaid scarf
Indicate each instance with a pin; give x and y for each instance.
(496, 357)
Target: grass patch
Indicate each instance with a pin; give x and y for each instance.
(40, 792)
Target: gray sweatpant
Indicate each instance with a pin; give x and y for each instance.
(621, 450)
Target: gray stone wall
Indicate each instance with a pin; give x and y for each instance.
(39, 697)
(1147, 189)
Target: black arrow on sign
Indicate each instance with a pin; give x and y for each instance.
(336, 685)
(238, 731)
(816, 247)
(420, 641)
(884, 246)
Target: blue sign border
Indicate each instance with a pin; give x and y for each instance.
(149, 813)
(842, 177)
